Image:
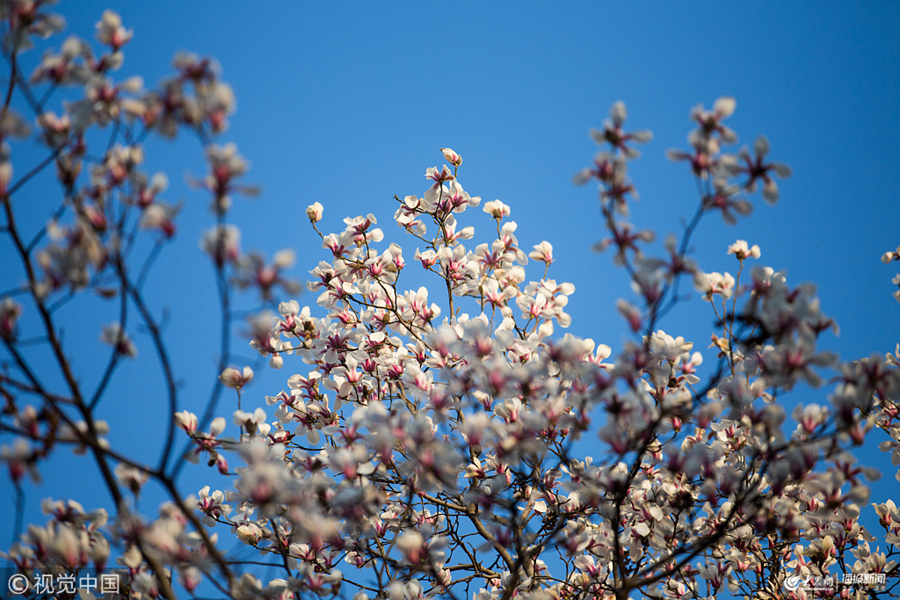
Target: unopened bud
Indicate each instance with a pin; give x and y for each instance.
(452, 157)
(314, 212)
(10, 311)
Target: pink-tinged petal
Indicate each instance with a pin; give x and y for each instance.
(217, 426)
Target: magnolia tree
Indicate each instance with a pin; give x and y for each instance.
(429, 442)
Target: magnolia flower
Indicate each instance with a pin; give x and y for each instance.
(222, 243)
(160, 215)
(251, 422)
(134, 479)
(147, 191)
(212, 506)
(757, 169)
(194, 68)
(248, 587)
(451, 157)
(438, 177)
(225, 162)
(711, 121)
(408, 217)
(104, 102)
(111, 32)
(711, 284)
(667, 346)
(121, 162)
(496, 209)
(187, 421)
(314, 212)
(216, 103)
(226, 165)
(725, 198)
(542, 252)
(252, 270)
(742, 251)
(631, 314)
(25, 19)
(203, 442)
(612, 132)
(55, 129)
(115, 336)
(809, 417)
(236, 379)
(412, 546)
(20, 459)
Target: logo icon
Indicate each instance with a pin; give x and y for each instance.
(794, 582)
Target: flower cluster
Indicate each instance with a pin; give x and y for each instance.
(411, 436)
(429, 441)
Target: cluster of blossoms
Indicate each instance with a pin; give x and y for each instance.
(431, 453)
(430, 444)
(195, 100)
(73, 542)
(97, 242)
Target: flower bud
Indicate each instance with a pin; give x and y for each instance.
(314, 212)
(235, 379)
(10, 311)
(451, 157)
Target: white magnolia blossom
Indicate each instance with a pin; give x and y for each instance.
(233, 378)
(743, 251)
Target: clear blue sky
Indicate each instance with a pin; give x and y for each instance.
(348, 103)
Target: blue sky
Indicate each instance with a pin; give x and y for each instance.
(347, 104)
